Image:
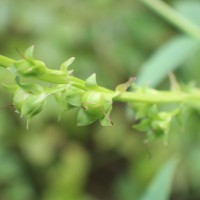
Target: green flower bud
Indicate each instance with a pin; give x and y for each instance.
(28, 104)
(156, 123)
(161, 122)
(30, 68)
(96, 103)
(70, 97)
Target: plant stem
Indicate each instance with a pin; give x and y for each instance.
(5, 61)
(174, 17)
(160, 97)
(154, 96)
(54, 76)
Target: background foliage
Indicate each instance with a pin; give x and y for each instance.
(116, 39)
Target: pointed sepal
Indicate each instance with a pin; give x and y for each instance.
(91, 81)
(29, 53)
(64, 67)
(84, 118)
(124, 86)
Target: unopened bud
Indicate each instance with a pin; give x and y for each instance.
(30, 68)
(96, 103)
(28, 104)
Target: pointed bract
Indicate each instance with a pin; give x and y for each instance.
(29, 53)
(66, 64)
(84, 118)
(91, 81)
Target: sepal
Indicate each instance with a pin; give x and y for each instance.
(91, 81)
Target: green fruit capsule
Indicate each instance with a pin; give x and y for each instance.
(96, 103)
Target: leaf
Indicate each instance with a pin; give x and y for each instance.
(84, 119)
(160, 186)
(91, 81)
(166, 59)
(29, 53)
(189, 9)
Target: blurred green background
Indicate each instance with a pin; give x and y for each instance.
(56, 160)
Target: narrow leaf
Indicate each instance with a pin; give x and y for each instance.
(166, 59)
(160, 186)
(189, 9)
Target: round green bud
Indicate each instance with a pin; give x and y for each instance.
(96, 103)
(30, 68)
(28, 104)
(162, 121)
(19, 98)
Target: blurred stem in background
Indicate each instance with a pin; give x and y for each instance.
(174, 17)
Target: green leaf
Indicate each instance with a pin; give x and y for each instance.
(166, 59)
(84, 119)
(29, 53)
(189, 9)
(160, 186)
(91, 81)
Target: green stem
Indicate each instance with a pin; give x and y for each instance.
(160, 97)
(5, 61)
(55, 90)
(174, 17)
(157, 97)
(54, 76)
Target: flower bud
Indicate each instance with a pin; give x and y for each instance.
(96, 103)
(28, 104)
(30, 68)
(162, 121)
